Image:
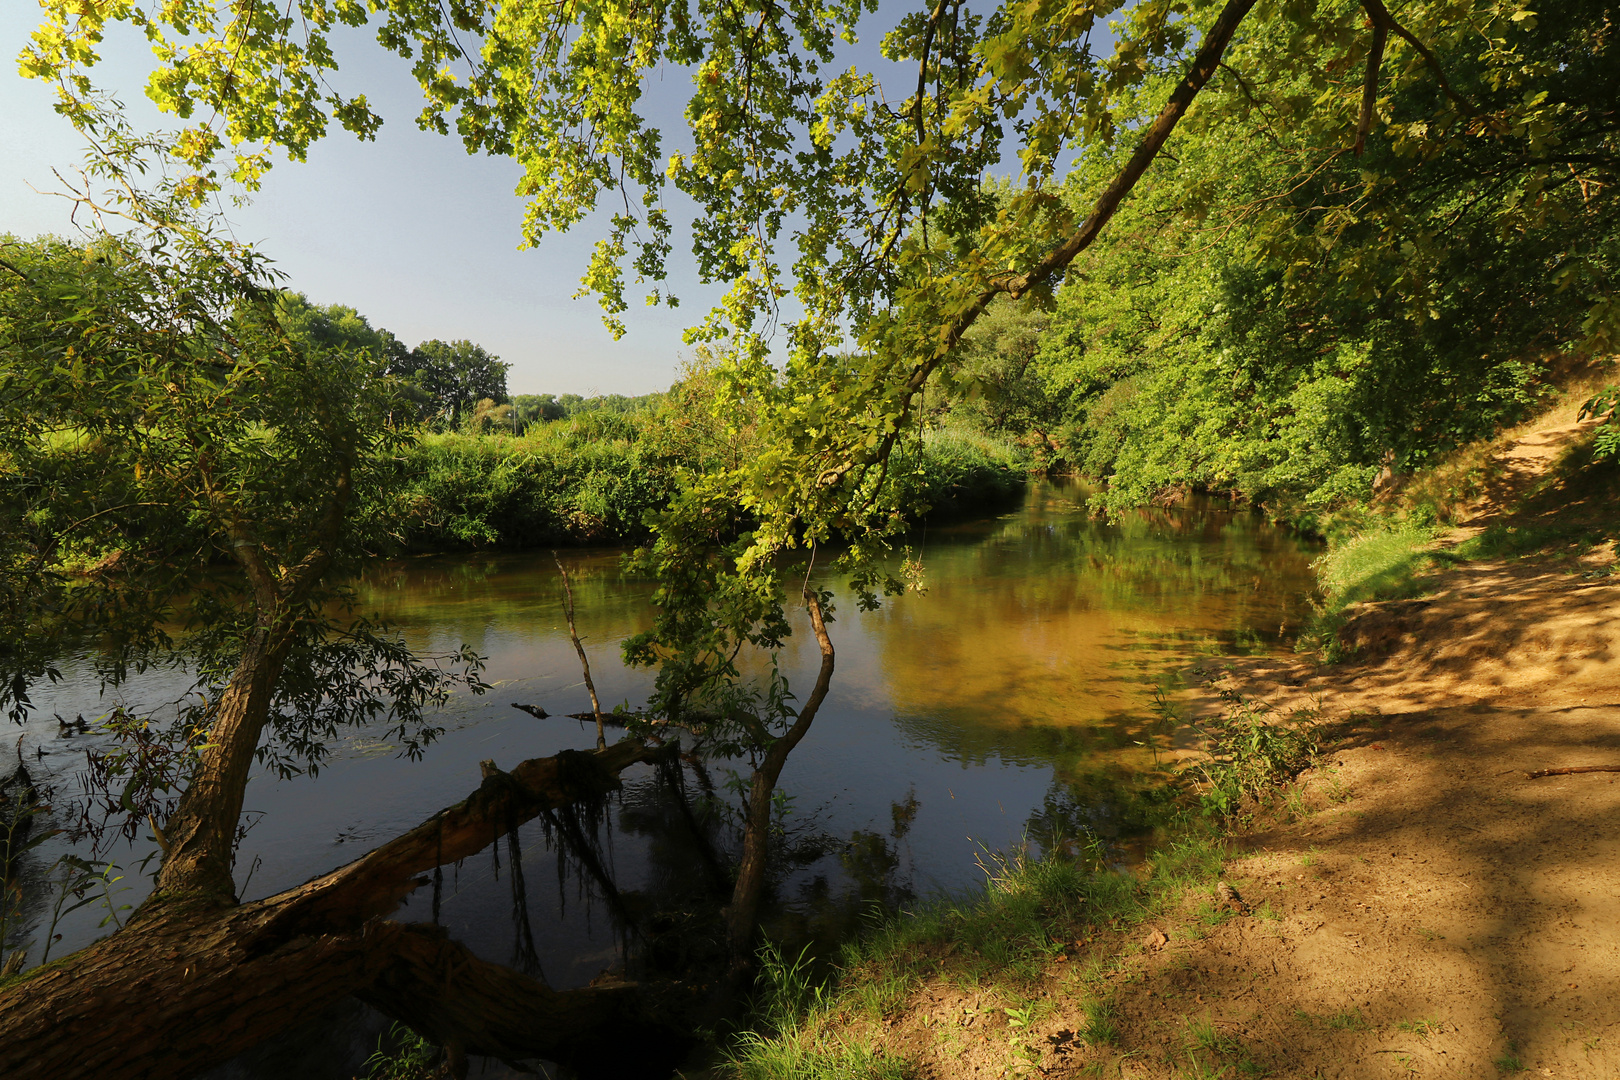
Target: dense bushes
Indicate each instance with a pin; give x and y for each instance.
(593, 479)
(540, 489)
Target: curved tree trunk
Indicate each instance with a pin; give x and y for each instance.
(193, 981)
(744, 910)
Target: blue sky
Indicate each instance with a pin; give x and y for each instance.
(409, 229)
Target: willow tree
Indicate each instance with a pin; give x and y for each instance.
(854, 227)
(183, 482)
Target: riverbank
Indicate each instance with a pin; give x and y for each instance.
(595, 480)
(1415, 903)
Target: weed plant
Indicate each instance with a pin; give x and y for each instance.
(410, 1057)
(1252, 752)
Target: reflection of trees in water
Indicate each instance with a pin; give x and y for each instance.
(1101, 814)
(819, 888)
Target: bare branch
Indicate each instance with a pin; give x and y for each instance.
(585, 665)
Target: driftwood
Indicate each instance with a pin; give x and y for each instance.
(190, 983)
(1570, 770)
(579, 647)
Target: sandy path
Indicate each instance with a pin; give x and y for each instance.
(1437, 914)
(1428, 909)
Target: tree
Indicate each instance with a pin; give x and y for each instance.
(1278, 321)
(161, 421)
(453, 377)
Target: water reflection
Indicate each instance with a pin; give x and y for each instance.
(1009, 701)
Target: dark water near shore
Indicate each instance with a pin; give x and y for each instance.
(1008, 701)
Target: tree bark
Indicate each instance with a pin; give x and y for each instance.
(199, 844)
(744, 910)
(193, 981)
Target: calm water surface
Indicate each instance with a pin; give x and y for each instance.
(1006, 701)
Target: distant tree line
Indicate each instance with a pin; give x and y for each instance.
(534, 407)
(443, 382)
(451, 385)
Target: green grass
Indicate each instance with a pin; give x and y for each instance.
(1000, 943)
(1344, 1020)
(1381, 563)
(821, 1057)
(1423, 1027)
(1531, 538)
(1003, 945)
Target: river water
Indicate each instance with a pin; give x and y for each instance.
(1008, 701)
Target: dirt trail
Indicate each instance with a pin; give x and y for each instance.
(1421, 907)
(1437, 912)
(1433, 912)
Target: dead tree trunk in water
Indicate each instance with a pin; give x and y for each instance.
(584, 664)
(744, 911)
(194, 980)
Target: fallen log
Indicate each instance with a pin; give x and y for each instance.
(190, 983)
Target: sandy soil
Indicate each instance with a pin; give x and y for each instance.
(1434, 913)
(1422, 907)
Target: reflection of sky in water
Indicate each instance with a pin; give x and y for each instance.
(1005, 697)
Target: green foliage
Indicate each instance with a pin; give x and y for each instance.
(552, 486)
(447, 380)
(1251, 753)
(600, 476)
(185, 480)
(541, 407)
(1606, 443)
(1384, 561)
(412, 1058)
(1002, 942)
(1303, 295)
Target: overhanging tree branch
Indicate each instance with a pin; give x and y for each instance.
(1203, 67)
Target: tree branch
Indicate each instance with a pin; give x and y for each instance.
(1369, 85)
(1381, 17)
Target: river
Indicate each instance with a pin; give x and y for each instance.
(1009, 701)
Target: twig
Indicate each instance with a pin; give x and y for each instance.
(568, 608)
(1539, 773)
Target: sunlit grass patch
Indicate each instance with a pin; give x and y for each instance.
(818, 1056)
(1423, 1027)
(1002, 946)
(1343, 1020)
(1383, 563)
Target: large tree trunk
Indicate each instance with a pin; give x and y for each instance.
(200, 842)
(193, 981)
(744, 911)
